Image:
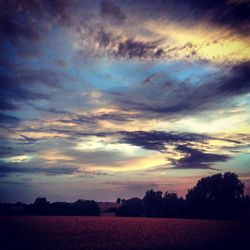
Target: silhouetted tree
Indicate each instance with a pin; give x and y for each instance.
(39, 207)
(245, 204)
(12, 209)
(111, 210)
(41, 202)
(153, 203)
(86, 207)
(216, 196)
(60, 208)
(132, 207)
(81, 207)
(118, 200)
(173, 206)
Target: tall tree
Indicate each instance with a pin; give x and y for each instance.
(216, 196)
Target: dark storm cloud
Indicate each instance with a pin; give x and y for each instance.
(131, 48)
(5, 105)
(24, 23)
(158, 140)
(239, 82)
(62, 11)
(12, 92)
(53, 110)
(111, 9)
(196, 159)
(181, 98)
(9, 119)
(104, 38)
(20, 86)
(6, 169)
(25, 140)
(118, 46)
(14, 147)
(227, 13)
(234, 14)
(116, 116)
(6, 151)
(59, 11)
(93, 119)
(14, 29)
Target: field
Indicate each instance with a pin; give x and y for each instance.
(58, 232)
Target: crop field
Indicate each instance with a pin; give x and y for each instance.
(58, 232)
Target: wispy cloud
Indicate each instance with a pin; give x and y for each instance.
(182, 97)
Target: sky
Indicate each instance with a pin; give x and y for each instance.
(108, 99)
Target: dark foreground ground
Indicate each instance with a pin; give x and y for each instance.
(58, 232)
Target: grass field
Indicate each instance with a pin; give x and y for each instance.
(58, 232)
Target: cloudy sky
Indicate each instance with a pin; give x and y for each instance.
(102, 99)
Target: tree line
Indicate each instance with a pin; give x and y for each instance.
(43, 207)
(213, 197)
